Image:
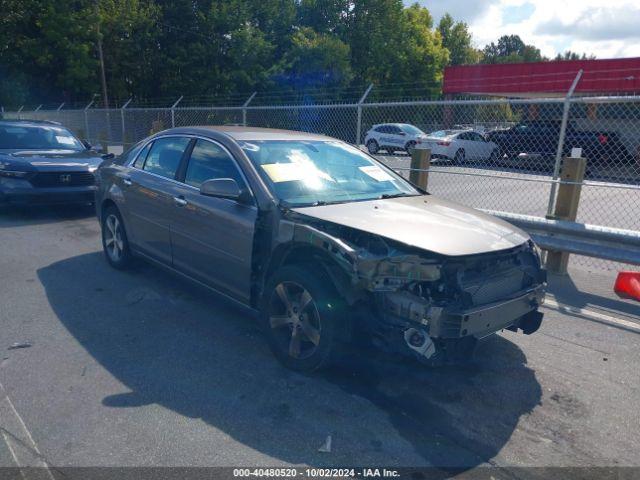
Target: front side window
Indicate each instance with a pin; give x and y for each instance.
(209, 161)
(165, 154)
(305, 173)
(40, 137)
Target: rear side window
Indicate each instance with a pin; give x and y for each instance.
(165, 154)
(142, 156)
(208, 161)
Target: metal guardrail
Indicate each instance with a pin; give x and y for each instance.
(582, 239)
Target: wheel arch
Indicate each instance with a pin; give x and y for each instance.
(299, 253)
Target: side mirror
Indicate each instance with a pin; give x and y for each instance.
(403, 134)
(108, 156)
(225, 188)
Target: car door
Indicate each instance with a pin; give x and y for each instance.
(398, 136)
(463, 141)
(212, 237)
(149, 188)
(482, 149)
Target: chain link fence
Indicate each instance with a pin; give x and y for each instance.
(495, 154)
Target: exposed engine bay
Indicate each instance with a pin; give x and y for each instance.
(414, 301)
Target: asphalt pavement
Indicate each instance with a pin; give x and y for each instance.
(140, 368)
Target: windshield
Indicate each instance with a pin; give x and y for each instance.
(304, 173)
(38, 137)
(411, 129)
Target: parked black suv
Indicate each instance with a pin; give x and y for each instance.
(541, 138)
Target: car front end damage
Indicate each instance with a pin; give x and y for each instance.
(430, 306)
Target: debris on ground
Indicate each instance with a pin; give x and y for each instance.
(16, 345)
(326, 446)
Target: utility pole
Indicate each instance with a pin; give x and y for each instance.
(103, 76)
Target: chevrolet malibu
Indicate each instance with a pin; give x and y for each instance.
(326, 244)
(44, 163)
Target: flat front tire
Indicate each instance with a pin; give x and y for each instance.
(114, 239)
(301, 318)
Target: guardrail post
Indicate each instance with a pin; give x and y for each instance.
(420, 163)
(244, 108)
(359, 119)
(173, 111)
(566, 207)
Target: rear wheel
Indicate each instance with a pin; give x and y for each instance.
(114, 239)
(410, 146)
(373, 147)
(300, 311)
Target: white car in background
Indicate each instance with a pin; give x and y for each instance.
(461, 145)
(392, 137)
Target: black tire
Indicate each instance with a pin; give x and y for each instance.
(495, 155)
(410, 146)
(459, 157)
(321, 316)
(373, 147)
(114, 237)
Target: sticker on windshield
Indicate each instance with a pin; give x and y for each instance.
(65, 140)
(290, 172)
(376, 173)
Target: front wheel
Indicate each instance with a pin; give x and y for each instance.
(300, 311)
(373, 147)
(459, 157)
(114, 239)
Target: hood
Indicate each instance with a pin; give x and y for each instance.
(50, 159)
(424, 222)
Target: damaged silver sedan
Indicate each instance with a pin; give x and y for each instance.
(327, 244)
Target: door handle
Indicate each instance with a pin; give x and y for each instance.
(179, 201)
(127, 181)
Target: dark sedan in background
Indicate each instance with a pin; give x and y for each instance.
(44, 163)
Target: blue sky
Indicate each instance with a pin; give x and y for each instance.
(606, 29)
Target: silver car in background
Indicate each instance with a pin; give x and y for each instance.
(393, 137)
(324, 242)
(459, 146)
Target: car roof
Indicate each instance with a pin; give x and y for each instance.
(32, 123)
(250, 133)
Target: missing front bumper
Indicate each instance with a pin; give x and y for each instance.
(487, 319)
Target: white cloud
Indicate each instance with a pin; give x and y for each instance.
(584, 26)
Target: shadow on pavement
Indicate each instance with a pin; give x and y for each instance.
(17, 216)
(172, 344)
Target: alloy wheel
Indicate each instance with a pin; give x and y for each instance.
(295, 320)
(113, 238)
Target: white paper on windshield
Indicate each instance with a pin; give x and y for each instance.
(65, 140)
(286, 172)
(376, 173)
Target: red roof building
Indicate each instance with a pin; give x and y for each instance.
(544, 79)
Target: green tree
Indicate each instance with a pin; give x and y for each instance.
(317, 59)
(420, 56)
(569, 55)
(511, 49)
(457, 39)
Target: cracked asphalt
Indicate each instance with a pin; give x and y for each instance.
(141, 368)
